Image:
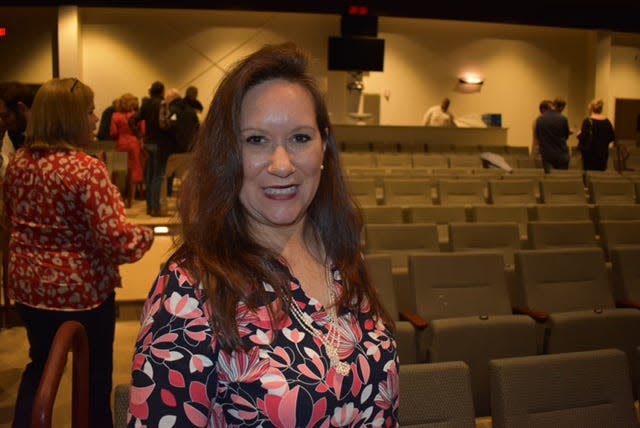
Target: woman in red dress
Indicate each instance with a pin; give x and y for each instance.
(127, 141)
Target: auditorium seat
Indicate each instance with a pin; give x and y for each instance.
(461, 191)
(544, 212)
(574, 389)
(562, 234)
(501, 214)
(364, 190)
(503, 237)
(625, 267)
(441, 215)
(436, 395)
(611, 191)
(407, 191)
(430, 160)
(567, 291)
(463, 297)
(380, 271)
(385, 214)
(386, 160)
(562, 191)
(618, 232)
(628, 211)
(512, 191)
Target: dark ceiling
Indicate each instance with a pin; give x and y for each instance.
(614, 15)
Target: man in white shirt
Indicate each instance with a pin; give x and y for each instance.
(439, 115)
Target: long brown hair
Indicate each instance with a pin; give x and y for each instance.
(215, 242)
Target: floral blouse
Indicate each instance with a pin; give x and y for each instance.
(181, 378)
(69, 230)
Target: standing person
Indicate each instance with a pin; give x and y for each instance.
(552, 132)
(15, 106)
(181, 119)
(68, 234)
(104, 129)
(545, 105)
(594, 138)
(266, 315)
(439, 115)
(127, 141)
(191, 97)
(155, 141)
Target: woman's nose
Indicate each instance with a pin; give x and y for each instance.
(280, 163)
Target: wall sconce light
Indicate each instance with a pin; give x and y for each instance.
(469, 83)
(471, 80)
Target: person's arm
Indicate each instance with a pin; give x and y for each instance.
(426, 119)
(134, 121)
(174, 363)
(120, 240)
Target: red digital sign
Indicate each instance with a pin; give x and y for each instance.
(3, 31)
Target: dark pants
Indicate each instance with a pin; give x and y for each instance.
(154, 174)
(555, 160)
(42, 326)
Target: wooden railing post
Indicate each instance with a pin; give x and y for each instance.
(70, 336)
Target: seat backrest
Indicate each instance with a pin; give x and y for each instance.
(628, 211)
(380, 270)
(625, 265)
(441, 215)
(436, 395)
(576, 389)
(512, 191)
(607, 191)
(450, 285)
(393, 159)
(561, 212)
(399, 240)
(349, 159)
(430, 160)
(559, 280)
(560, 234)
(364, 190)
(563, 190)
(385, 214)
(462, 191)
(492, 236)
(502, 213)
(407, 191)
(457, 160)
(619, 232)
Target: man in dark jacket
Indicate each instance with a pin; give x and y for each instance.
(552, 132)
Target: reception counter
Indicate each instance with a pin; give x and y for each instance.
(419, 135)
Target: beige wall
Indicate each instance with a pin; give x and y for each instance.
(124, 50)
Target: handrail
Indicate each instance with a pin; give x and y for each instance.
(70, 336)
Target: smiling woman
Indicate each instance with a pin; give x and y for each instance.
(266, 315)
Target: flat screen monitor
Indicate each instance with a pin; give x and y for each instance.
(356, 53)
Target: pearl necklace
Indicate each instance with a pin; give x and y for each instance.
(331, 340)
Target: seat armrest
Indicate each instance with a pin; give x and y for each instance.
(536, 314)
(416, 320)
(627, 304)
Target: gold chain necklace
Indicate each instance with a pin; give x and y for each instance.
(331, 340)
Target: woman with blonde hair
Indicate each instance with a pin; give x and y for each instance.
(594, 138)
(128, 141)
(67, 236)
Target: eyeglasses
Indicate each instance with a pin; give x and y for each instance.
(75, 82)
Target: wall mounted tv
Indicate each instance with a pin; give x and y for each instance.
(356, 53)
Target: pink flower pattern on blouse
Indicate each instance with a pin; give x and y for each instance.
(181, 378)
(69, 230)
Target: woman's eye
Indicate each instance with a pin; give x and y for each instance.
(255, 139)
(301, 138)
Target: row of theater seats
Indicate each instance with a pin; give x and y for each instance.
(474, 188)
(462, 307)
(508, 228)
(573, 389)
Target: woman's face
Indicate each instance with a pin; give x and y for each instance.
(282, 153)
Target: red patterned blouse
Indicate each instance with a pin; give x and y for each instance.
(68, 230)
